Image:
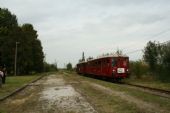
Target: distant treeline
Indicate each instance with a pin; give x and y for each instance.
(30, 54)
(155, 63)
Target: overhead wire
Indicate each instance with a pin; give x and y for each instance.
(138, 50)
(153, 36)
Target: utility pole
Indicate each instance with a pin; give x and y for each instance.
(15, 64)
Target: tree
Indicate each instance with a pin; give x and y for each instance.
(50, 67)
(138, 68)
(8, 31)
(158, 57)
(69, 66)
(166, 56)
(30, 52)
(151, 54)
(34, 49)
(38, 56)
(7, 19)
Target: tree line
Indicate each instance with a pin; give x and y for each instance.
(30, 56)
(156, 61)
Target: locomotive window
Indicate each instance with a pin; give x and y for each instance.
(125, 62)
(104, 62)
(113, 62)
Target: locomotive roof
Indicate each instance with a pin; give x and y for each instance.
(82, 62)
(110, 56)
(101, 57)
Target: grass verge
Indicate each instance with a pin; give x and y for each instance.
(15, 82)
(108, 103)
(149, 83)
(102, 102)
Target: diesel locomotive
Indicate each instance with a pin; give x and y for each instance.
(113, 67)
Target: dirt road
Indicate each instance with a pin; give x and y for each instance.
(49, 95)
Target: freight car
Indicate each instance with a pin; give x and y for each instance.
(114, 67)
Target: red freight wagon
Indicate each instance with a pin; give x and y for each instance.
(116, 67)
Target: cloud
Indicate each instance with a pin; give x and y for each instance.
(69, 27)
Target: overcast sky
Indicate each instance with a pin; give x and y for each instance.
(66, 28)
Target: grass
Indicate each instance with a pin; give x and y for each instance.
(102, 102)
(162, 102)
(150, 83)
(15, 82)
(105, 102)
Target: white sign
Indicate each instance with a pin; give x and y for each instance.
(120, 70)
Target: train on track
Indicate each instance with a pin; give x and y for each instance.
(112, 66)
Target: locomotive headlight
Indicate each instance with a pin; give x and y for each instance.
(127, 70)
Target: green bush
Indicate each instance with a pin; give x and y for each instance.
(157, 56)
(138, 69)
(50, 67)
(69, 67)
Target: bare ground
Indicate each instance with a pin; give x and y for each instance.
(60, 93)
(49, 95)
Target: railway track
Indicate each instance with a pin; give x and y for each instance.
(155, 91)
